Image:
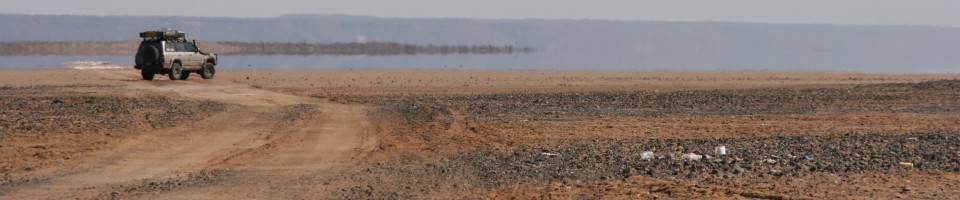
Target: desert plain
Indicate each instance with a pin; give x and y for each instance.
(473, 134)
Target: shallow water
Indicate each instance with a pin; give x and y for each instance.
(532, 61)
(295, 62)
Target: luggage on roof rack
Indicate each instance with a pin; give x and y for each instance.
(164, 34)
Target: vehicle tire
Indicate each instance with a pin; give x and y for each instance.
(147, 74)
(207, 71)
(175, 71)
(149, 55)
(184, 75)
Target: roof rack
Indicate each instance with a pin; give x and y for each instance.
(164, 34)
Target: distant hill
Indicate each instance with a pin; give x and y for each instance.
(129, 47)
(562, 44)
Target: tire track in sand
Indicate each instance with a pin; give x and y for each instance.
(310, 147)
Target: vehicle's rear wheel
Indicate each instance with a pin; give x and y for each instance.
(147, 74)
(184, 75)
(175, 71)
(207, 71)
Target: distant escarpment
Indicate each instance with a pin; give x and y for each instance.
(129, 47)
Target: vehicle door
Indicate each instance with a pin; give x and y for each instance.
(174, 51)
(195, 58)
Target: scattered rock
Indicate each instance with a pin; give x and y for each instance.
(627, 172)
(96, 113)
(115, 194)
(906, 164)
(769, 101)
(506, 164)
(776, 172)
(738, 170)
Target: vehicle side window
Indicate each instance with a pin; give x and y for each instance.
(189, 47)
(179, 46)
(170, 47)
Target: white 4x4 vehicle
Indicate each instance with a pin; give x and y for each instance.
(168, 52)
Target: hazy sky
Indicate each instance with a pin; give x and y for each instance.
(888, 12)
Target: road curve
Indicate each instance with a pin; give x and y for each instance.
(254, 141)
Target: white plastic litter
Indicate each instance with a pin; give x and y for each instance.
(646, 155)
(691, 156)
(720, 150)
(549, 154)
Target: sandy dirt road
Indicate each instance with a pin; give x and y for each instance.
(269, 136)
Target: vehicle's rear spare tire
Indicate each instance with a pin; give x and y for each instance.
(150, 54)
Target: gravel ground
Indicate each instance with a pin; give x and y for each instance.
(928, 97)
(48, 109)
(430, 121)
(157, 185)
(752, 156)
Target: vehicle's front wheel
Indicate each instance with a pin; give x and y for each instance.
(207, 71)
(147, 74)
(175, 71)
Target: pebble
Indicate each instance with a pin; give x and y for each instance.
(738, 170)
(905, 164)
